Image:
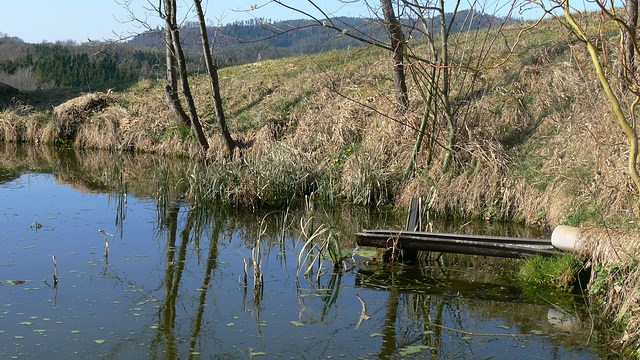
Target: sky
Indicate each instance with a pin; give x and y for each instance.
(35, 21)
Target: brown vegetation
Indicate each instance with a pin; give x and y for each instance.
(538, 144)
(615, 277)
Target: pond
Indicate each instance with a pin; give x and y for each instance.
(177, 281)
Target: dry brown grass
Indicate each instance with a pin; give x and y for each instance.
(615, 277)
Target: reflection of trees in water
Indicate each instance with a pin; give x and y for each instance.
(175, 259)
(433, 302)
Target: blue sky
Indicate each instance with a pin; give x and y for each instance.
(35, 21)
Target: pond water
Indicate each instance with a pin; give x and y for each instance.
(173, 284)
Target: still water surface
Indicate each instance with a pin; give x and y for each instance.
(172, 287)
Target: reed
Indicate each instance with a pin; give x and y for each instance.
(319, 243)
(106, 241)
(55, 268)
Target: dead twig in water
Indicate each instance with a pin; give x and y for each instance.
(363, 315)
(475, 333)
(106, 243)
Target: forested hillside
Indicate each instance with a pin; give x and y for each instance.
(67, 65)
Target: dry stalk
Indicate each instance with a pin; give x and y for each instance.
(363, 315)
(55, 267)
(106, 242)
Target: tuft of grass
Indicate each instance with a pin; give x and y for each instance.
(320, 242)
(559, 271)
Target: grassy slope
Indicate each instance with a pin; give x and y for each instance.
(539, 144)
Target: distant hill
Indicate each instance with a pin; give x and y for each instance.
(247, 41)
(93, 66)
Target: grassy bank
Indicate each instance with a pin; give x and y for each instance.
(539, 144)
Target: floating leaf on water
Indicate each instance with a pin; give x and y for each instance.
(222, 262)
(537, 332)
(39, 331)
(17, 282)
(46, 319)
(28, 323)
(503, 327)
(136, 314)
(466, 338)
(199, 289)
(195, 353)
(236, 317)
(297, 323)
(428, 332)
(99, 341)
(414, 349)
(75, 331)
(33, 317)
(18, 337)
(258, 353)
(51, 217)
(29, 247)
(231, 324)
(153, 326)
(375, 335)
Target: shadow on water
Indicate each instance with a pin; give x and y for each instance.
(188, 282)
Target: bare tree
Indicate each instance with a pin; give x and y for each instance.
(446, 74)
(171, 88)
(176, 47)
(212, 70)
(397, 44)
(629, 39)
(623, 91)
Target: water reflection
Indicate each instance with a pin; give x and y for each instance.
(181, 280)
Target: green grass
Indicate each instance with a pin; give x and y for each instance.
(559, 271)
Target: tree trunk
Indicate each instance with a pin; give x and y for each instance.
(628, 39)
(446, 82)
(397, 43)
(214, 80)
(184, 82)
(171, 89)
